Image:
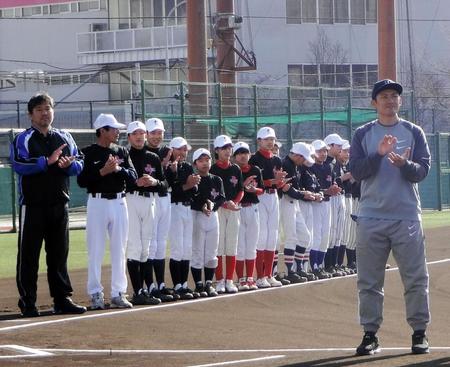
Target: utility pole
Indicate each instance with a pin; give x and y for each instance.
(387, 57)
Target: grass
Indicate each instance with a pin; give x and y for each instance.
(78, 250)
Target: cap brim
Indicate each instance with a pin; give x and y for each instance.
(395, 86)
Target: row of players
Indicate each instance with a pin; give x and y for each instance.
(220, 219)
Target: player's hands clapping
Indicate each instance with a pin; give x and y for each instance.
(146, 181)
(250, 184)
(231, 205)
(166, 160)
(333, 190)
(173, 165)
(308, 195)
(399, 160)
(65, 161)
(192, 180)
(208, 207)
(386, 145)
(54, 157)
(111, 166)
(318, 196)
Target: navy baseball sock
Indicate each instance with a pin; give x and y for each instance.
(341, 253)
(329, 258)
(196, 275)
(175, 271)
(335, 254)
(314, 259)
(351, 257)
(298, 256)
(289, 259)
(320, 257)
(135, 274)
(275, 263)
(147, 272)
(209, 274)
(159, 267)
(184, 271)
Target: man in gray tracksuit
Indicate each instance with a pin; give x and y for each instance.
(390, 156)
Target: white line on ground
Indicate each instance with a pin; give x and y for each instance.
(32, 352)
(239, 361)
(180, 304)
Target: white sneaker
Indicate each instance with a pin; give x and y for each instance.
(98, 301)
(220, 286)
(230, 287)
(243, 286)
(273, 282)
(262, 283)
(251, 284)
(120, 302)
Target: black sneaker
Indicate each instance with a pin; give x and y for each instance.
(295, 278)
(184, 293)
(67, 306)
(28, 310)
(309, 276)
(420, 343)
(369, 345)
(319, 274)
(283, 281)
(210, 291)
(162, 295)
(200, 289)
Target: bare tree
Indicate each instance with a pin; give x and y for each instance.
(325, 51)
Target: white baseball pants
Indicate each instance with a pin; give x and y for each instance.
(351, 244)
(321, 227)
(180, 234)
(294, 226)
(269, 214)
(347, 221)
(228, 232)
(248, 232)
(337, 220)
(160, 228)
(205, 240)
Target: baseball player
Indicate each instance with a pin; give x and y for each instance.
(346, 178)
(183, 182)
(44, 158)
(273, 178)
(337, 202)
(249, 217)
(294, 226)
(141, 211)
(321, 209)
(107, 171)
(228, 213)
(157, 252)
(208, 199)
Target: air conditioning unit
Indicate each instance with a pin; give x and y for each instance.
(98, 27)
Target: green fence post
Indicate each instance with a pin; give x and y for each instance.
(437, 153)
(220, 112)
(289, 127)
(142, 101)
(13, 191)
(183, 120)
(322, 114)
(349, 115)
(91, 119)
(255, 111)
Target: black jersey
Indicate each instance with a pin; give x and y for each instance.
(346, 185)
(324, 173)
(209, 188)
(294, 173)
(147, 162)
(161, 152)
(95, 157)
(356, 189)
(177, 180)
(231, 177)
(251, 197)
(268, 163)
(309, 180)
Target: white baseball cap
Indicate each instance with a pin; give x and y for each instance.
(266, 132)
(278, 144)
(107, 119)
(221, 141)
(333, 139)
(304, 150)
(179, 142)
(135, 125)
(199, 152)
(154, 124)
(318, 144)
(240, 145)
(345, 145)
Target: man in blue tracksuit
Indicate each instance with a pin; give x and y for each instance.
(44, 158)
(390, 156)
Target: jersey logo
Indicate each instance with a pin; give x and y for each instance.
(214, 194)
(149, 169)
(234, 180)
(329, 178)
(119, 160)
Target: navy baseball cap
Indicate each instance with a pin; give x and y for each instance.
(385, 84)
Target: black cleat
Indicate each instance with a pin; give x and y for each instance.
(295, 278)
(28, 310)
(67, 306)
(210, 291)
(163, 296)
(369, 345)
(185, 293)
(420, 343)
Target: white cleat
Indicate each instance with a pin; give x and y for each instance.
(262, 283)
(220, 286)
(273, 282)
(230, 287)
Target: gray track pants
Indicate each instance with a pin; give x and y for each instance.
(375, 239)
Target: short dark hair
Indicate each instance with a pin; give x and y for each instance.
(98, 131)
(39, 99)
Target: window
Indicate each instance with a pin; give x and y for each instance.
(371, 11)
(341, 11)
(309, 11)
(326, 11)
(45, 9)
(26, 12)
(372, 74)
(295, 75)
(18, 12)
(157, 13)
(7, 13)
(327, 75)
(342, 76)
(311, 76)
(293, 11)
(359, 75)
(358, 11)
(89, 5)
(74, 7)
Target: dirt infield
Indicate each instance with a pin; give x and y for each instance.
(312, 324)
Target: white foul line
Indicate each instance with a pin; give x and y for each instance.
(238, 361)
(31, 352)
(183, 303)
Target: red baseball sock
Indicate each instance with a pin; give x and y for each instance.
(260, 263)
(268, 262)
(250, 267)
(240, 268)
(231, 266)
(219, 269)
